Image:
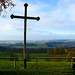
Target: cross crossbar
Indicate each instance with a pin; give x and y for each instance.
(23, 17)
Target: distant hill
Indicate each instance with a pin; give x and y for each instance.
(38, 44)
(60, 44)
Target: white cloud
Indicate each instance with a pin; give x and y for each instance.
(60, 17)
(56, 17)
(54, 21)
(6, 27)
(8, 24)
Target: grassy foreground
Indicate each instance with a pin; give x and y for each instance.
(35, 71)
(42, 68)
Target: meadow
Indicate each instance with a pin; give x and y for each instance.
(43, 66)
(37, 46)
(46, 68)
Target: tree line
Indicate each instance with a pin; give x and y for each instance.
(28, 50)
(56, 50)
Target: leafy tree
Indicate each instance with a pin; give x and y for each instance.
(73, 49)
(48, 51)
(66, 51)
(4, 4)
(70, 54)
(61, 50)
(55, 51)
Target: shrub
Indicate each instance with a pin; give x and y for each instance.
(55, 51)
(70, 54)
(66, 51)
(56, 60)
(61, 50)
(48, 51)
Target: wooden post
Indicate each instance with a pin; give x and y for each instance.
(36, 62)
(72, 62)
(14, 63)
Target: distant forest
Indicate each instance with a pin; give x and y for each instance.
(16, 44)
(20, 50)
(50, 44)
(40, 47)
(61, 44)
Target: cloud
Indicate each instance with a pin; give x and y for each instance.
(8, 24)
(60, 16)
(55, 19)
(37, 31)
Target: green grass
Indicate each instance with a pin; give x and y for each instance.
(38, 46)
(20, 55)
(35, 72)
(18, 47)
(39, 55)
(4, 54)
(40, 64)
(43, 68)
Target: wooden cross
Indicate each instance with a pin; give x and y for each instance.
(25, 24)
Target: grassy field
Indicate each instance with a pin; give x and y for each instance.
(38, 46)
(20, 55)
(46, 68)
(34, 72)
(45, 55)
(43, 66)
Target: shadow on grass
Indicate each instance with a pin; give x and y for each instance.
(31, 72)
(8, 73)
(14, 73)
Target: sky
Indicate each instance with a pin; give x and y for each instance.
(57, 20)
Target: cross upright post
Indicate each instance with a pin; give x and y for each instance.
(25, 26)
